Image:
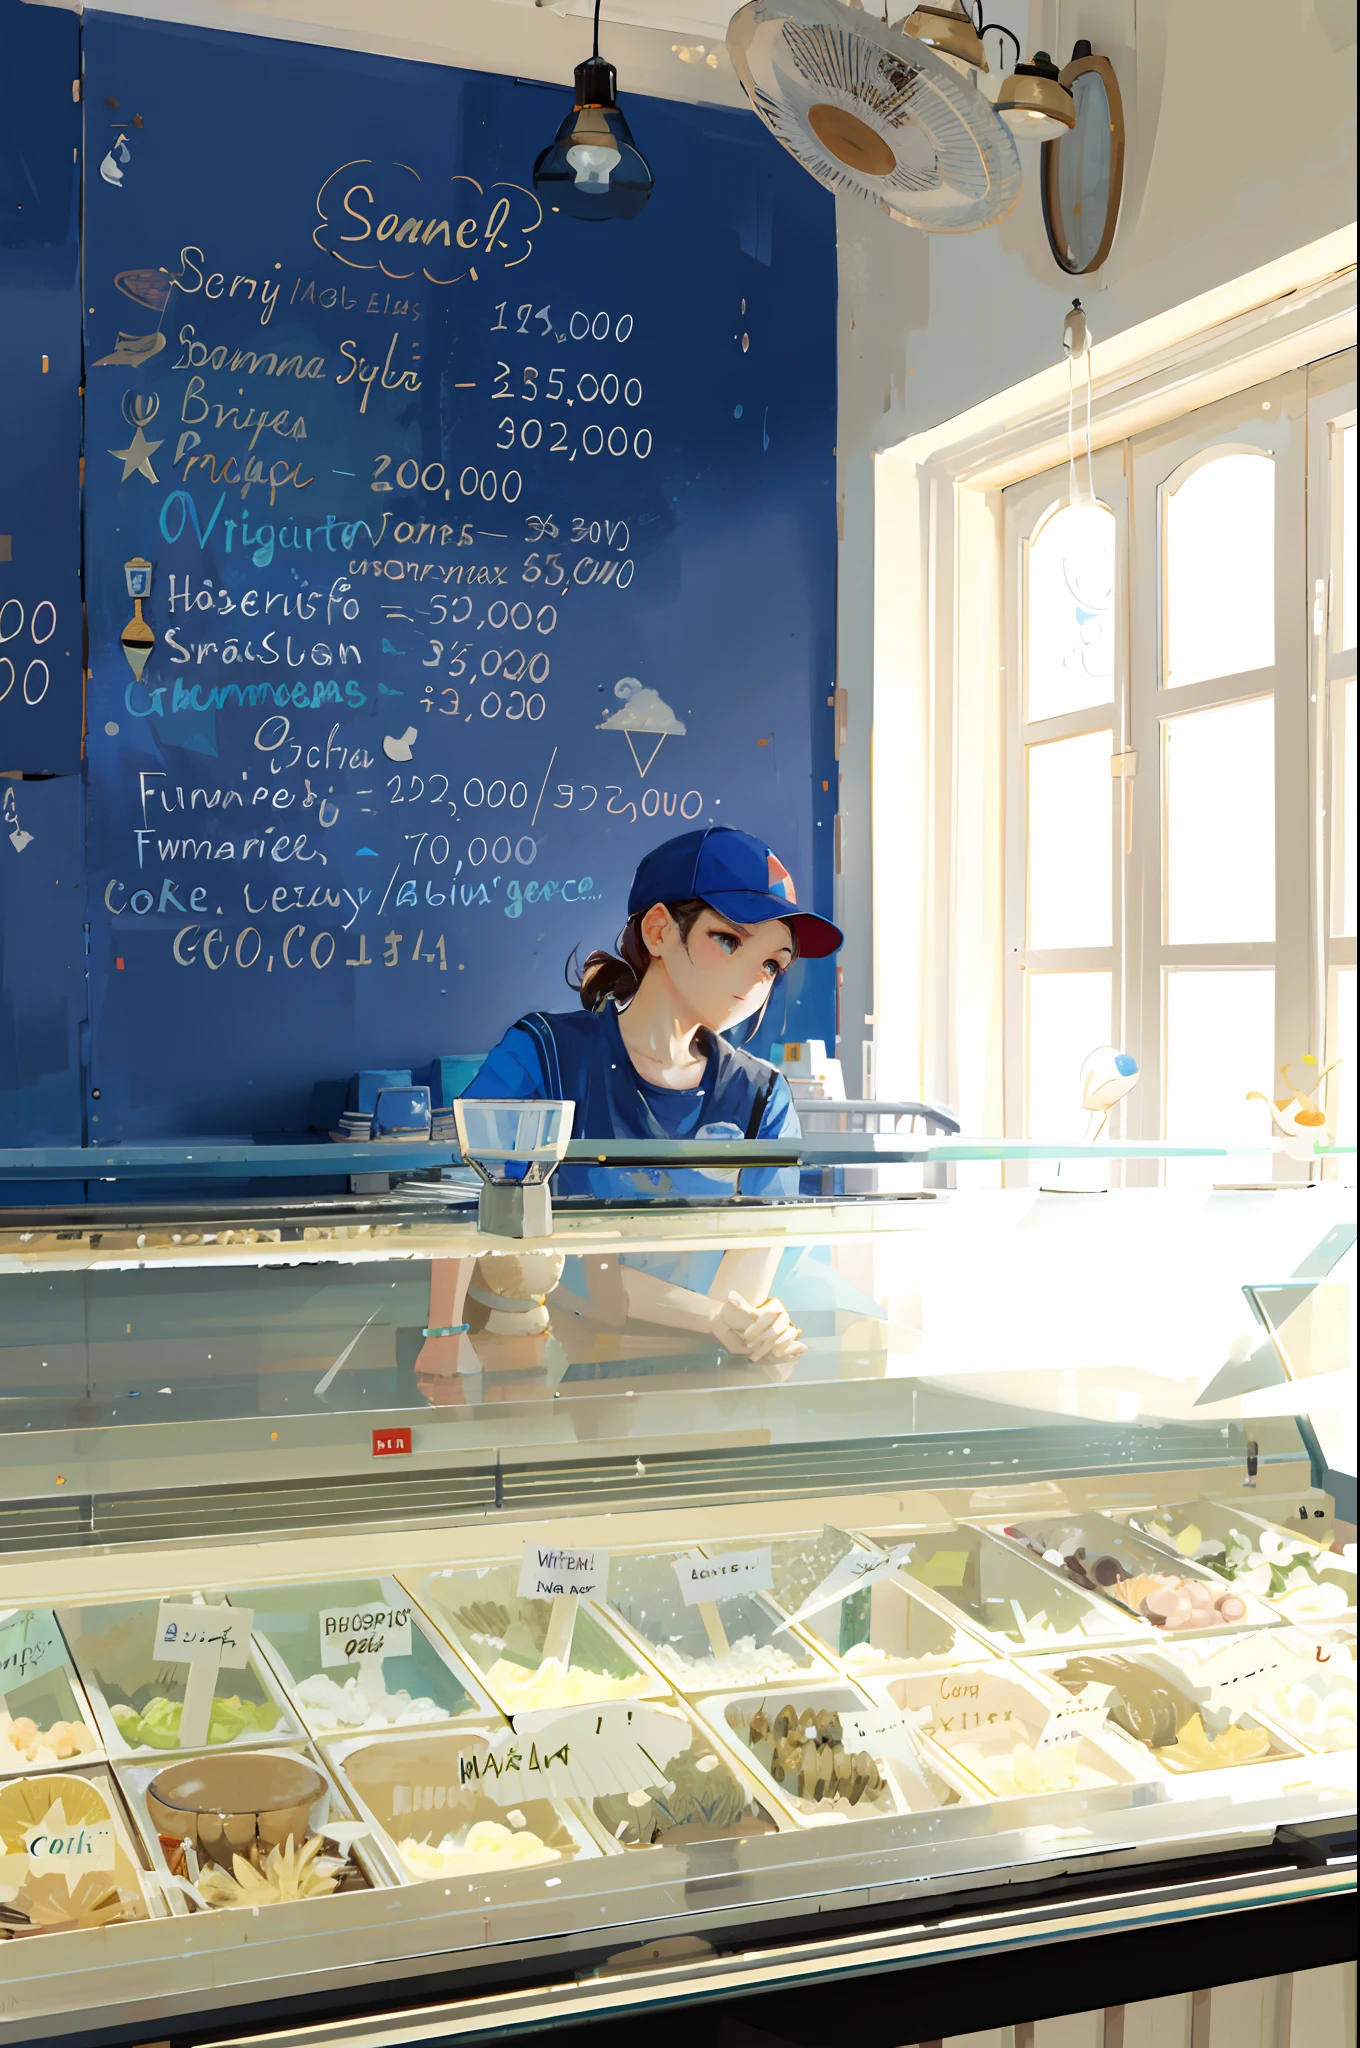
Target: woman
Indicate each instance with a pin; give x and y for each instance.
(712, 924)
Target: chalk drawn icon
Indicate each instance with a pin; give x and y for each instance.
(140, 407)
(137, 637)
(137, 456)
(120, 154)
(18, 838)
(645, 715)
(131, 351)
(148, 287)
(400, 749)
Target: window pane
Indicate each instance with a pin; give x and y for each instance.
(1344, 564)
(1220, 1044)
(1220, 571)
(1343, 810)
(1069, 662)
(1343, 1080)
(1067, 1017)
(1220, 824)
(1070, 823)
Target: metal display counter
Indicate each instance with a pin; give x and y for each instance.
(1001, 1609)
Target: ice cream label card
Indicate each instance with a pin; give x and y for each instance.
(703, 1579)
(584, 1753)
(30, 1644)
(562, 1571)
(363, 1635)
(186, 1634)
(857, 1568)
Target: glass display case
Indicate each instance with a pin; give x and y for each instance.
(717, 1574)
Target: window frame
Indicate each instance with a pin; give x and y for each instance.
(1028, 509)
(1331, 408)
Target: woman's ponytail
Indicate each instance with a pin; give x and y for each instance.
(616, 978)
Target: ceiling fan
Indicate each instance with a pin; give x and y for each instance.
(868, 109)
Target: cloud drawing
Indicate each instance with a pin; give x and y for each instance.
(642, 710)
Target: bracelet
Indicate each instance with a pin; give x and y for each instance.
(453, 1330)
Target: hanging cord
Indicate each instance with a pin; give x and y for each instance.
(595, 52)
(1077, 342)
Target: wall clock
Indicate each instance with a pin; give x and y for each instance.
(1083, 172)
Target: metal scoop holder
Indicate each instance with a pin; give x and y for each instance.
(495, 1137)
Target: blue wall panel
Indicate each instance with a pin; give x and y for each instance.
(40, 616)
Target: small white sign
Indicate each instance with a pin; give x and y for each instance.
(558, 1571)
(580, 1753)
(60, 1848)
(362, 1635)
(186, 1634)
(889, 1738)
(1242, 1670)
(721, 1578)
(1084, 1714)
(30, 1644)
(857, 1568)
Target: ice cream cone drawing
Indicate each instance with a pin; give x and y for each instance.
(643, 718)
(1298, 1122)
(137, 636)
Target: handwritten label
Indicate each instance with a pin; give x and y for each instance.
(857, 1568)
(362, 1635)
(203, 1635)
(391, 1443)
(1242, 1670)
(554, 1571)
(30, 1644)
(69, 1849)
(721, 1578)
(957, 1702)
(581, 1753)
(1084, 1714)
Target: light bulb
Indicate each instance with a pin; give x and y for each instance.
(592, 163)
(1028, 125)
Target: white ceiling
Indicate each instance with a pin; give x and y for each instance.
(705, 20)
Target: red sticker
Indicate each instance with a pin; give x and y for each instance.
(391, 1443)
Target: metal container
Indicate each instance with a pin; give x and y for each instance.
(252, 1821)
(414, 1788)
(504, 1637)
(1329, 1595)
(712, 1795)
(754, 1646)
(76, 1801)
(1125, 1554)
(288, 1628)
(52, 1694)
(893, 1789)
(1010, 1601)
(1152, 1699)
(114, 1652)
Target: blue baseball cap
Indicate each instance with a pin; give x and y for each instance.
(738, 876)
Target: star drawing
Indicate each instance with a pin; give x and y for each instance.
(137, 455)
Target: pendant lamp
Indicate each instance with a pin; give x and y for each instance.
(1034, 103)
(594, 170)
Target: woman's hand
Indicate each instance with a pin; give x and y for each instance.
(763, 1335)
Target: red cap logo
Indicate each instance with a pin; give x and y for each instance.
(781, 881)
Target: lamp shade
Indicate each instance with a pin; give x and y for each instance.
(1034, 103)
(950, 30)
(594, 170)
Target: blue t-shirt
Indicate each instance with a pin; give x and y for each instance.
(579, 1056)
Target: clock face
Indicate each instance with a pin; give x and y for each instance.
(1083, 172)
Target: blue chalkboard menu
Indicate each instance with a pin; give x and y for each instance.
(442, 556)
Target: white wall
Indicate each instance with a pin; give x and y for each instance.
(1241, 125)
